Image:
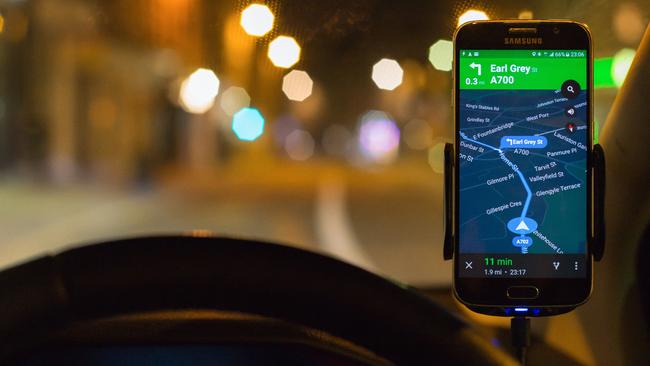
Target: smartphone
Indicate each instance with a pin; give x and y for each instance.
(522, 166)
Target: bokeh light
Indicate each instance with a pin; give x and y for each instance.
(621, 65)
(418, 134)
(248, 124)
(628, 23)
(297, 85)
(437, 158)
(378, 137)
(441, 55)
(198, 91)
(234, 99)
(603, 77)
(387, 74)
(282, 127)
(525, 14)
(471, 15)
(16, 22)
(284, 52)
(257, 20)
(299, 145)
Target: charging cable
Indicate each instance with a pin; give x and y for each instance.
(520, 331)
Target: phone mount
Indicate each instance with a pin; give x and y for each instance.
(596, 239)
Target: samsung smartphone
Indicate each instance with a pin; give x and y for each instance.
(523, 142)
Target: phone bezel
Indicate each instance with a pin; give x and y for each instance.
(554, 292)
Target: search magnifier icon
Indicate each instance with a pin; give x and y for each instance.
(570, 89)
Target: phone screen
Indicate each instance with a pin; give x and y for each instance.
(523, 141)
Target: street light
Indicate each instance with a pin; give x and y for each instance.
(472, 15)
(234, 99)
(297, 85)
(257, 20)
(199, 90)
(284, 52)
(441, 55)
(387, 74)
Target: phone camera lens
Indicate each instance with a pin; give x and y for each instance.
(556, 30)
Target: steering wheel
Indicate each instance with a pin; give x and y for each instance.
(151, 274)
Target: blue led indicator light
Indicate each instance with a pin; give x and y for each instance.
(521, 310)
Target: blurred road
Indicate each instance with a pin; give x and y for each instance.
(388, 221)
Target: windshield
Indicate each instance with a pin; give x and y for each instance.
(319, 124)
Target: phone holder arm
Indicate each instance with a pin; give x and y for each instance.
(598, 233)
(448, 248)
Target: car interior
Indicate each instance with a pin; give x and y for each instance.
(235, 183)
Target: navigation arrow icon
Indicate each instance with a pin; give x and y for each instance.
(522, 226)
(474, 65)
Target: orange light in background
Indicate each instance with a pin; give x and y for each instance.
(284, 52)
(387, 74)
(199, 90)
(297, 85)
(2, 23)
(525, 14)
(628, 23)
(472, 15)
(257, 20)
(201, 233)
(15, 24)
(102, 113)
(234, 99)
(437, 158)
(441, 55)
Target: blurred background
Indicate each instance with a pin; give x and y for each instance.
(319, 124)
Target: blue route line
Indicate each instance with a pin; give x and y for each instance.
(524, 211)
(479, 143)
(529, 197)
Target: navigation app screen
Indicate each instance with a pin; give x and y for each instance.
(523, 142)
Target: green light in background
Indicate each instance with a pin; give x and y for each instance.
(621, 65)
(596, 131)
(441, 55)
(603, 73)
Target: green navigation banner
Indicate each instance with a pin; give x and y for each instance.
(521, 69)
